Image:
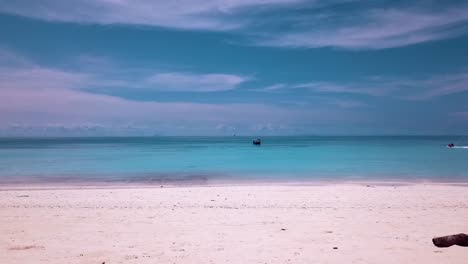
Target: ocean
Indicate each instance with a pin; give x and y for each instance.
(156, 159)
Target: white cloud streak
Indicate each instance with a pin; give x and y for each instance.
(48, 110)
(194, 82)
(182, 14)
(377, 29)
(35, 77)
(319, 25)
(329, 87)
(364, 88)
(407, 89)
(18, 72)
(34, 98)
(437, 86)
(61, 105)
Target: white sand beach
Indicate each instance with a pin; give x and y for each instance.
(335, 223)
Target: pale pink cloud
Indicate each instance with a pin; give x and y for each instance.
(194, 82)
(36, 96)
(18, 72)
(375, 29)
(378, 86)
(330, 87)
(68, 108)
(185, 14)
(371, 27)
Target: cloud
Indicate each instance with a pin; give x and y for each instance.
(329, 87)
(441, 86)
(345, 24)
(40, 100)
(368, 87)
(422, 88)
(182, 14)
(75, 112)
(194, 82)
(35, 95)
(40, 78)
(95, 73)
(277, 87)
(17, 72)
(61, 105)
(375, 29)
(347, 103)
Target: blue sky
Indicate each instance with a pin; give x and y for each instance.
(246, 67)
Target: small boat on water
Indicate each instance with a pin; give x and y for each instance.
(257, 142)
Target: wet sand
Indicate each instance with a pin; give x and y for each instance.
(326, 223)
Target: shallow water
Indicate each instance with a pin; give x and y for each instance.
(282, 158)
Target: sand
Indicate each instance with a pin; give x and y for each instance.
(336, 223)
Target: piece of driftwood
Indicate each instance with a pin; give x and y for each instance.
(448, 241)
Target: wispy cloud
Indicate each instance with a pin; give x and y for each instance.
(39, 99)
(273, 88)
(375, 29)
(194, 82)
(367, 87)
(35, 77)
(347, 103)
(184, 14)
(344, 24)
(16, 72)
(399, 88)
(48, 111)
(172, 81)
(436, 86)
(74, 106)
(350, 88)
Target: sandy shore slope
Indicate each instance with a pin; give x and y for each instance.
(339, 223)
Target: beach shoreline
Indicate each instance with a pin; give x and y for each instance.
(257, 223)
(77, 183)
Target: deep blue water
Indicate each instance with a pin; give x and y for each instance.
(283, 158)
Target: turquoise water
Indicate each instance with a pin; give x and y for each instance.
(281, 158)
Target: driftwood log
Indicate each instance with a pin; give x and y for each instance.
(448, 241)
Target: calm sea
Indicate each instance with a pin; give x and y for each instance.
(234, 158)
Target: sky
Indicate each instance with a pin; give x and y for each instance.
(224, 67)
